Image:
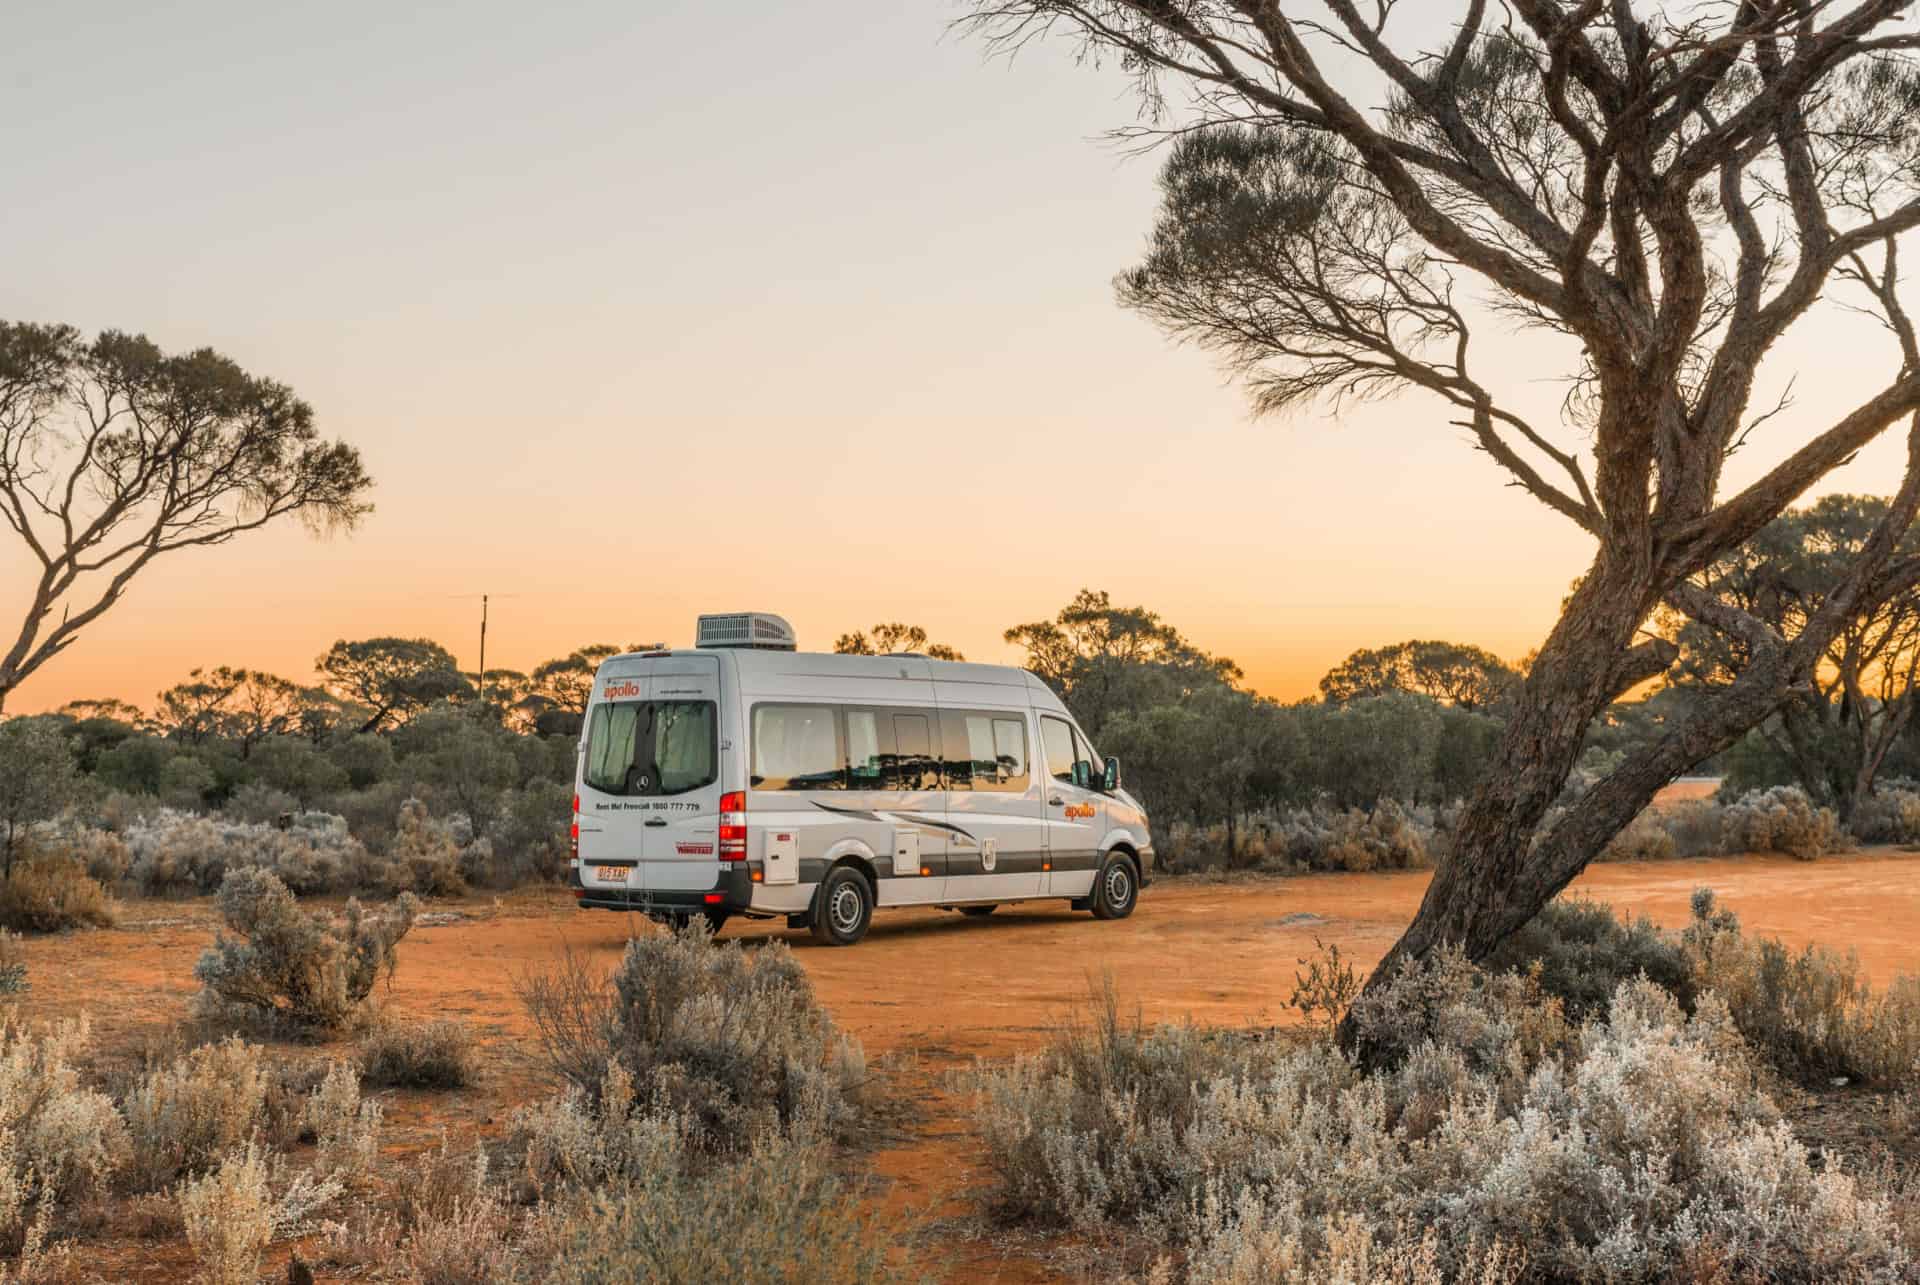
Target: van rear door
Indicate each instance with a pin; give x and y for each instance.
(680, 843)
(612, 838)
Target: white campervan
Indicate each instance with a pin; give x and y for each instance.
(745, 777)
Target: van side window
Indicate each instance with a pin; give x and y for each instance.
(1082, 750)
(797, 747)
(1056, 738)
(984, 751)
(915, 766)
(869, 749)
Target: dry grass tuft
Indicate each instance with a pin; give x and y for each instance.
(47, 895)
(427, 1055)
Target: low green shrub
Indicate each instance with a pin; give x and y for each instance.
(288, 968)
(703, 1151)
(13, 966)
(1646, 838)
(1584, 952)
(1087, 1130)
(1811, 1013)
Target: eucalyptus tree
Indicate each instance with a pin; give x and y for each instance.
(1839, 727)
(114, 454)
(1457, 674)
(1356, 189)
(887, 638)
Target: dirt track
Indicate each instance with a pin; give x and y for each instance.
(940, 990)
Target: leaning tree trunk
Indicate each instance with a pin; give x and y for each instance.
(1503, 868)
(1487, 886)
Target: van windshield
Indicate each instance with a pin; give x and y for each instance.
(651, 747)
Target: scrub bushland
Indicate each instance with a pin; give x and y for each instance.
(1599, 1104)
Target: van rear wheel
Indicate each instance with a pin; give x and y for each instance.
(1115, 888)
(843, 908)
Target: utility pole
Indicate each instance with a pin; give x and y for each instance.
(483, 651)
(486, 601)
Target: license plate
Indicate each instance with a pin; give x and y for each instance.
(610, 874)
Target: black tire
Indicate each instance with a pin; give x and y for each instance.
(1116, 887)
(977, 911)
(842, 908)
(716, 920)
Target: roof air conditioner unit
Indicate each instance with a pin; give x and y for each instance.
(757, 630)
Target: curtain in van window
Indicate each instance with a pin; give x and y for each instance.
(1010, 752)
(683, 745)
(866, 762)
(610, 746)
(796, 747)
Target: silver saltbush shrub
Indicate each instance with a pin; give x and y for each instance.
(176, 853)
(1782, 819)
(59, 1141)
(1891, 814)
(735, 1041)
(184, 1115)
(1627, 1150)
(291, 967)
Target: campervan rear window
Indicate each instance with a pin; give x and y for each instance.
(652, 747)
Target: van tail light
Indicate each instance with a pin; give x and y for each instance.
(573, 831)
(733, 826)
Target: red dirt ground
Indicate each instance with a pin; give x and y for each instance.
(1691, 787)
(934, 991)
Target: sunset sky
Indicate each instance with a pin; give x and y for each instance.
(636, 313)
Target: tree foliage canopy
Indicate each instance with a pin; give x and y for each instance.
(1838, 728)
(891, 638)
(113, 453)
(1101, 659)
(1452, 673)
(393, 678)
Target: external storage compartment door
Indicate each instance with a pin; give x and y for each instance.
(906, 854)
(782, 858)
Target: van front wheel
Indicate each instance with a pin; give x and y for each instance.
(1115, 888)
(844, 908)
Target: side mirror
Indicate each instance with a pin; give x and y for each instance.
(1113, 774)
(1082, 774)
